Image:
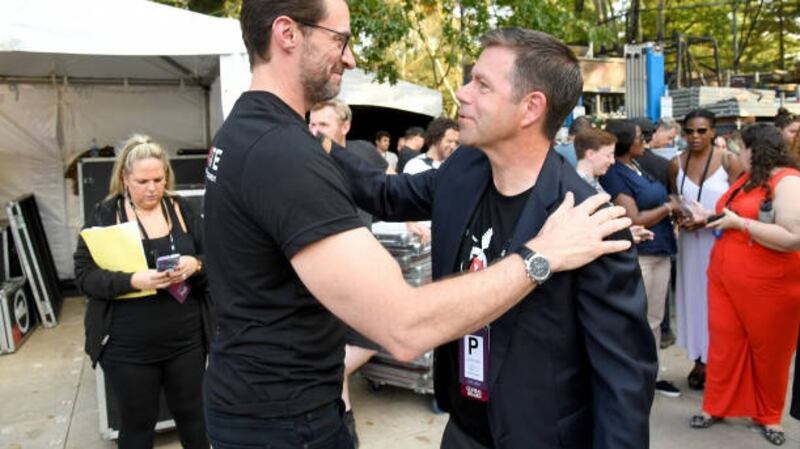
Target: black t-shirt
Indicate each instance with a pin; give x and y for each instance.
(403, 156)
(657, 166)
(486, 240)
(271, 190)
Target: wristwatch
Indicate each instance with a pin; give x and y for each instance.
(536, 265)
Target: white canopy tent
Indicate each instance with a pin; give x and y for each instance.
(97, 70)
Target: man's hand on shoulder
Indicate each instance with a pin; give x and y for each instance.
(573, 236)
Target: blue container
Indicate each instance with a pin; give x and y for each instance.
(655, 82)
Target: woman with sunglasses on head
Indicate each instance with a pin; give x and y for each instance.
(753, 288)
(159, 341)
(647, 204)
(699, 175)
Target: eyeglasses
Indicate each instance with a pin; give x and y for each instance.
(344, 37)
(699, 131)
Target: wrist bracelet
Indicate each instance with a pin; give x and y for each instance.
(747, 226)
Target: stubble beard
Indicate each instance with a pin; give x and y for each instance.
(315, 79)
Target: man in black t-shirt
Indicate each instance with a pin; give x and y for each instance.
(413, 140)
(287, 253)
(573, 365)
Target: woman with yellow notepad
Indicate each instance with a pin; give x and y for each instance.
(148, 319)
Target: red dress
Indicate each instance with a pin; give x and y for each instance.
(753, 315)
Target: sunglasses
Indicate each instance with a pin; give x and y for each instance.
(699, 131)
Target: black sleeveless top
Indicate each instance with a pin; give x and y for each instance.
(155, 328)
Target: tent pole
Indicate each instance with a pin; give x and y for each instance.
(6, 79)
(207, 114)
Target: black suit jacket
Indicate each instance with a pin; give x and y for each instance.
(573, 365)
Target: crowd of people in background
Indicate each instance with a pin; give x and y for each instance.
(723, 210)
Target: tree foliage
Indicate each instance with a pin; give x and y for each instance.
(429, 41)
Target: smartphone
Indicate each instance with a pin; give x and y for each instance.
(714, 218)
(168, 262)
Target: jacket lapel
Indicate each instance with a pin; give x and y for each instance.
(455, 202)
(543, 200)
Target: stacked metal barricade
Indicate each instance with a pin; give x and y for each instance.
(724, 101)
(415, 261)
(17, 309)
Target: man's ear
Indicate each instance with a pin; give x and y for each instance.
(346, 127)
(286, 33)
(534, 108)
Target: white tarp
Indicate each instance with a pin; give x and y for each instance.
(99, 46)
(113, 27)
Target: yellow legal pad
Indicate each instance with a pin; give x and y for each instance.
(118, 248)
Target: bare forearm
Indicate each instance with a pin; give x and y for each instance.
(773, 236)
(651, 217)
(443, 311)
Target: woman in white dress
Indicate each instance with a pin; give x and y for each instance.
(700, 176)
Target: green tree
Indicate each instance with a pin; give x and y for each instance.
(429, 41)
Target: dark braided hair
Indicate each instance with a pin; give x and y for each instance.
(767, 152)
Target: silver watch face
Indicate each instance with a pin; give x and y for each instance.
(539, 267)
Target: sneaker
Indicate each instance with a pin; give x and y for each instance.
(350, 423)
(667, 339)
(667, 389)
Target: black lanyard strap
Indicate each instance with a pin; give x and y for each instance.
(702, 178)
(166, 218)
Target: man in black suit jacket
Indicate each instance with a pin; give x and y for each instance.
(573, 365)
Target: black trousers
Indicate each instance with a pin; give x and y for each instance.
(138, 388)
(321, 428)
(455, 438)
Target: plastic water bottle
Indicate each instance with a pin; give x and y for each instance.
(93, 151)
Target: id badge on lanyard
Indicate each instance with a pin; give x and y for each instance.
(473, 365)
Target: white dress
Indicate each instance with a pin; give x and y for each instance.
(694, 250)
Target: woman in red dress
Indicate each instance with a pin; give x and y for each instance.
(754, 288)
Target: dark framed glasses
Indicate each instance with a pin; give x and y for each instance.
(699, 131)
(343, 37)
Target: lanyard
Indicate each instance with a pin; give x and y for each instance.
(702, 178)
(166, 218)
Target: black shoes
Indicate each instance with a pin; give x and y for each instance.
(667, 389)
(697, 378)
(350, 423)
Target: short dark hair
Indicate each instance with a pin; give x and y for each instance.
(381, 134)
(542, 63)
(257, 16)
(647, 126)
(701, 113)
(414, 131)
(625, 132)
(592, 139)
(580, 124)
(437, 128)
